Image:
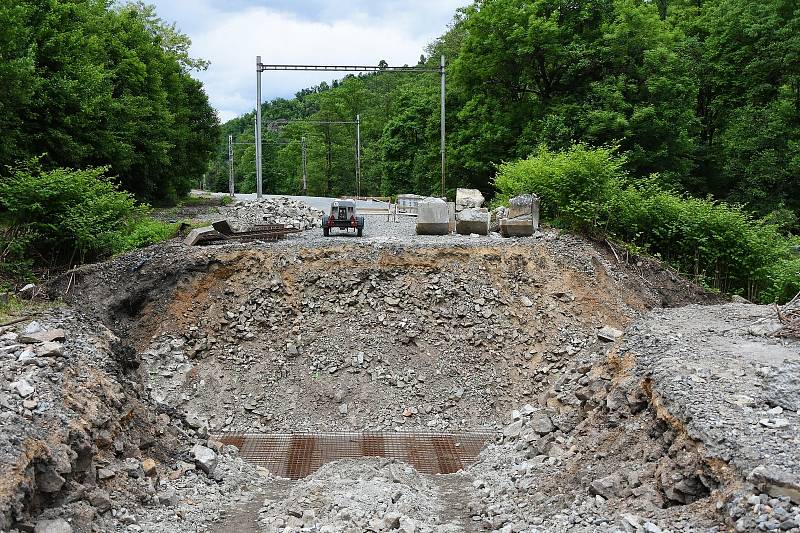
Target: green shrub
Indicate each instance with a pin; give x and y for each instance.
(144, 232)
(720, 245)
(65, 216)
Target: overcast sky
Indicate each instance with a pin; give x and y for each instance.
(231, 33)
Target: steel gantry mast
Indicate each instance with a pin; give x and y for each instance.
(261, 67)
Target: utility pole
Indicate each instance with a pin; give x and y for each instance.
(305, 169)
(443, 125)
(231, 188)
(258, 128)
(358, 156)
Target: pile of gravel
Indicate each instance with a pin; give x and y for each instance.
(284, 211)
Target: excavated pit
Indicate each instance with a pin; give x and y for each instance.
(307, 359)
(438, 339)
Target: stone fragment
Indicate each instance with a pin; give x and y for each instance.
(774, 423)
(392, 520)
(48, 480)
(23, 388)
(525, 301)
(51, 335)
(775, 482)
(609, 334)
(100, 500)
(513, 429)
(105, 473)
(468, 198)
(204, 458)
(50, 349)
(59, 525)
(149, 467)
(540, 422)
(524, 206)
(32, 327)
(607, 487)
(168, 498)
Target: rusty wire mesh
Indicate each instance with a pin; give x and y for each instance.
(296, 455)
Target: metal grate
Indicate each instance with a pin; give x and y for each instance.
(296, 455)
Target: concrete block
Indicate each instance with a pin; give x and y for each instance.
(468, 198)
(517, 227)
(201, 235)
(473, 220)
(433, 217)
(526, 205)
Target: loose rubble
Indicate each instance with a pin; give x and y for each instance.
(280, 210)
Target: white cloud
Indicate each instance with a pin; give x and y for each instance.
(232, 40)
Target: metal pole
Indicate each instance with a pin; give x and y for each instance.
(231, 188)
(305, 172)
(258, 128)
(443, 125)
(358, 155)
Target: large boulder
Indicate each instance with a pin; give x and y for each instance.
(433, 217)
(473, 220)
(205, 458)
(468, 198)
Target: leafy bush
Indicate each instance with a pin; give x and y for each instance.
(144, 232)
(720, 245)
(65, 216)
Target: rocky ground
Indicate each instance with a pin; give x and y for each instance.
(612, 414)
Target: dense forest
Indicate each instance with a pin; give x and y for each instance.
(703, 95)
(86, 83)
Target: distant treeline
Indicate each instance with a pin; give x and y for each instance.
(93, 83)
(703, 94)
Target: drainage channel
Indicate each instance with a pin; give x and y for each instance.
(296, 455)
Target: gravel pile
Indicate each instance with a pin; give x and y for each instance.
(368, 495)
(283, 211)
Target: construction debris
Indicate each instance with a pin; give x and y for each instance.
(280, 210)
(221, 231)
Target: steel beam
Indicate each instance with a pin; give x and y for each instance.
(346, 68)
